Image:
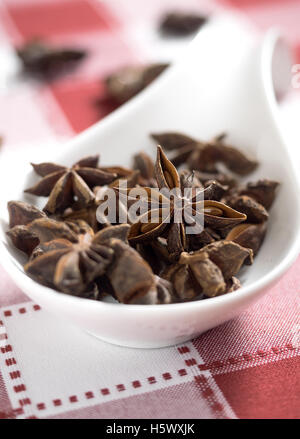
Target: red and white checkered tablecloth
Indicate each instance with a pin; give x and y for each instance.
(246, 368)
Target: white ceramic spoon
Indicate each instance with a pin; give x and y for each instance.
(223, 83)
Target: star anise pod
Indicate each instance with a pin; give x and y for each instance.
(89, 212)
(21, 213)
(262, 191)
(256, 213)
(69, 186)
(160, 220)
(129, 81)
(71, 265)
(224, 179)
(248, 235)
(132, 278)
(209, 271)
(181, 24)
(42, 60)
(193, 275)
(204, 156)
(144, 164)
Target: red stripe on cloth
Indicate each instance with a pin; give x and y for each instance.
(20, 388)
(253, 3)
(105, 391)
(5, 404)
(183, 349)
(190, 362)
(10, 361)
(297, 53)
(268, 391)
(78, 101)
(57, 402)
(15, 374)
(44, 19)
(167, 376)
(7, 348)
(182, 401)
(25, 401)
(120, 387)
(246, 358)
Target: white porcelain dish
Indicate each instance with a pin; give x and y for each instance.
(224, 83)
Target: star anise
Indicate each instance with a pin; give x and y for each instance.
(262, 191)
(71, 265)
(181, 24)
(89, 212)
(42, 60)
(204, 156)
(256, 213)
(70, 257)
(144, 164)
(21, 216)
(160, 220)
(209, 271)
(127, 82)
(69, 186)
(248, 235)
(21, 213)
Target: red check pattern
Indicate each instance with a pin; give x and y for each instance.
(246, 368)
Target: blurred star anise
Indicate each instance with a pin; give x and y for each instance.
(204, 156)
(129, 81)
(69, 186)
(42, 60)
(181, 24)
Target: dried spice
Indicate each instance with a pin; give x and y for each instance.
(39, 59)
(194, 274)
(181, 24)
(215, 214)
(65, 186)
(248, 235)
(224, 179)
(256, 213)
(22, 239)
(129, 81)
(70, 265)
(204, 156)
(228, 256)
(232, 284)
(153, 259)
(144, 164)
(21, 213)
(139, 286)
(263, 191)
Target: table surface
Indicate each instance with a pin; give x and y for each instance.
(246, 368)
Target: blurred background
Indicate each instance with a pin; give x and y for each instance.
(60, 60)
